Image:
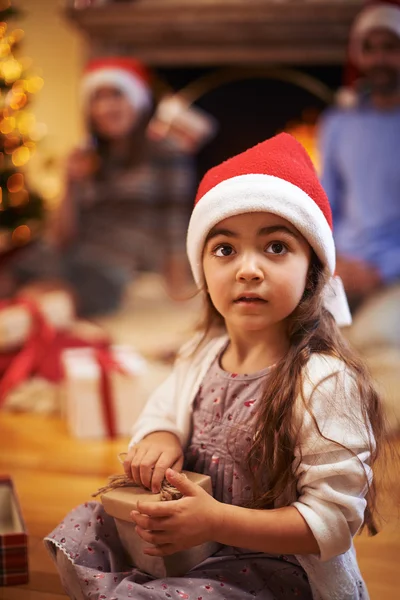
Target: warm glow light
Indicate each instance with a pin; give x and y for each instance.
(21, 156)
(26, 121)
(15, 182)
(7, 125)
(34, 84)
(18, 101)
(11, 70)
(4, 49)
(16, 35)
(21, 234)
(19, 198)
(11, 143)
(38, 132)
(306, 134)
(51, 191)
(19, 133)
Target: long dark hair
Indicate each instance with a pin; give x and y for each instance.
(312, 329)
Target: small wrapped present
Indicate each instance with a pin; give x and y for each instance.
(104, 390)
(119, 503)
(13, 537)
(179, 120)
(20, 316)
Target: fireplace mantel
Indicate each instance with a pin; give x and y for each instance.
(173, 33)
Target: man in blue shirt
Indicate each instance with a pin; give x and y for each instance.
(360, 147)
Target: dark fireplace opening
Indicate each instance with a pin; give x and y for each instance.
(251, 105)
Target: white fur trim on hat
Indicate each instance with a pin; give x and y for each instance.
(382, 16)
(135, 89)
(254, 193)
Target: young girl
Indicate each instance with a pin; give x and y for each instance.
(268, 400)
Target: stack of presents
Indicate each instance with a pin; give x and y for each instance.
(52, 362)
(98, 387)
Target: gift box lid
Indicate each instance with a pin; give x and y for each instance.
(13, 537)
(120, 502)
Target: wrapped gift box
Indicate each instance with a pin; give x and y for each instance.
(83, 391)
(120, 502)
(17, 320)
(13, 537)
(187, 125)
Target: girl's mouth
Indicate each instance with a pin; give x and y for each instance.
(249, 300)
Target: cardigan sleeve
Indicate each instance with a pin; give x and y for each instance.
(159, 413)
(332, 470)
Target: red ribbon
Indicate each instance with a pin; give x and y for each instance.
(107, 363)
(41, 356)
(18, 366)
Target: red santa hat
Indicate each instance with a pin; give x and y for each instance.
(376, 15)
(276, 176)
(124, 73)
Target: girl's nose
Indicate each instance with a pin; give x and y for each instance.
(249, 269)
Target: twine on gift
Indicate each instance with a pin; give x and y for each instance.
(167, 491)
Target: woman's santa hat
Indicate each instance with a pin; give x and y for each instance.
(276, 176)
(124, 73)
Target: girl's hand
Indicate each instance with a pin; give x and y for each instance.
(81, 164)
(148, 460)
(178, 524)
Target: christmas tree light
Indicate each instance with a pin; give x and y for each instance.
(21, 211)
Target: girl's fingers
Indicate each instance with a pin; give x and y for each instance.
(158, 509)
(147, 466)
(128, 461)
(157, 538)
(158, 474)
(136, 463)
(177, 466)
(146, 522)
(160, 550)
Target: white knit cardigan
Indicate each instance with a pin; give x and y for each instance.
(331, 481)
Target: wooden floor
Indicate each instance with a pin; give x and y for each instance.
(53, 472)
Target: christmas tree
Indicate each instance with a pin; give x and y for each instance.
(21, 210)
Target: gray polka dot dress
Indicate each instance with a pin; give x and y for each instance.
(87, 550)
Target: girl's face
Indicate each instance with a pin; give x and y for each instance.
(255, 267)
(111, 113)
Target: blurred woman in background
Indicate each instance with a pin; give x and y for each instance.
(127, 195)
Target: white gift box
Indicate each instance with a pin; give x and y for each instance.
(16, 320)
(83, 392)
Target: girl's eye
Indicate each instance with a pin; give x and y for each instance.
(276, 248)
(223, 250)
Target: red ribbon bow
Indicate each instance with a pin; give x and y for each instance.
(41, 356)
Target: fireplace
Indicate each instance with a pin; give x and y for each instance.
(257, 66)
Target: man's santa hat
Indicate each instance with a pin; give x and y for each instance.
(376, 15)
(124, 73)
(276, 176)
